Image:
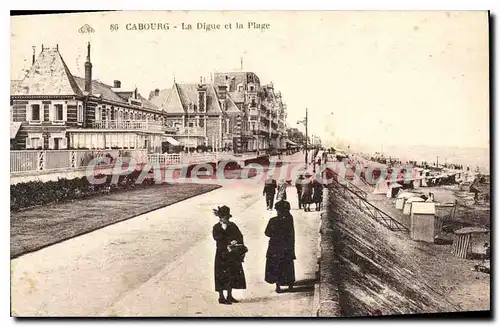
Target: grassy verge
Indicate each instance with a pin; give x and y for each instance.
(42, 226)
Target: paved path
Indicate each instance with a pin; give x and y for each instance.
(161, 264)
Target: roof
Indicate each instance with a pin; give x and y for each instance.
(182, 95)
(14, 128)
(468, 230)
(13, 84)
(159, 99)
(100, 88)
(106, 92)
(231, 106)
(415, 199)
(423, 208)
(49, 75)
(238, 97)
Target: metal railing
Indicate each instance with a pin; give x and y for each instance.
(164, 159)
(49, 160)
(193, 131)
(129, 125)
(358, 197)
(52, 160)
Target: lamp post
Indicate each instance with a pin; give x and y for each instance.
(304, 122)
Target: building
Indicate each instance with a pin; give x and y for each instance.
(234, 112)
(52, 109)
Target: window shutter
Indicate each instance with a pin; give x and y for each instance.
(51, 143)
(51, 112)
(40, 111)
(64, 143)
(65, 112)
(28, 143)
(28, 113)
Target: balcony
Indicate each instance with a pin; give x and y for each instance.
(253, 112)
(130, 125)
(191, 131)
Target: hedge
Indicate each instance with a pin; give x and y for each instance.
(25, 195)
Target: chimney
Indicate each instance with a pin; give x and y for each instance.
(117, 84)
(135, 93)
(88, 71)
(157, 92)
(34, 50)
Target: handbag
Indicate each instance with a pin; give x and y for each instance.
(238, 250)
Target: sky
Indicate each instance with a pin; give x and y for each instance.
(367, 78)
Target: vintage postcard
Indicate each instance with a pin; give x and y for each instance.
(249, 164)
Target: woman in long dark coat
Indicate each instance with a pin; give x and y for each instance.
(228, 270)
(306, 193)
(280, 269)
(317, 197)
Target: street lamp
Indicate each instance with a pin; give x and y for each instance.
(304, 122)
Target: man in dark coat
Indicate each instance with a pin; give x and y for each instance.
(280, 269)
(298, 186)
(269, 192)
(228, 270)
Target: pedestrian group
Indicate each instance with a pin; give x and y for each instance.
(280, 255)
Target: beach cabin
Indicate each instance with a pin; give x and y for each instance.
(469, 242)
(408, 204)
(417, 175)
(393, 190)
(425, 174)
(401, 199)
(381, 187)
(424, 222)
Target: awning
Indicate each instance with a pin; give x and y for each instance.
(14, 128)
(291, 142)
(172, 141)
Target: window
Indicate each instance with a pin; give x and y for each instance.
(34, 141)
(227, 125)
(201, 101)
(35, 112)
(240, 88)
(80, 113)
(59, 114)
(251, 88)
(98, 113)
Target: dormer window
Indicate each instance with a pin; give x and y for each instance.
(202, 101)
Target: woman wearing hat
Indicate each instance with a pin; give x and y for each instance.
(281, 190)
(307, 193)
(229, 255)
(317, 197)
(280, 269)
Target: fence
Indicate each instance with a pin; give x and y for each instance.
(48, 160)
(359, 198)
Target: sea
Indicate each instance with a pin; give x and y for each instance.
(466, 156)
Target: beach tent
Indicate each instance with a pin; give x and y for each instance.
(408, 204)
(381, 187)
(424, 222)
(424, 178)
(393, 190)
(417, 174)
(401, 199)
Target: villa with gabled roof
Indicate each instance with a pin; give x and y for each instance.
(53, 109)
(233, 112)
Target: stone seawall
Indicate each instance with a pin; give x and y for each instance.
(365, 269)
